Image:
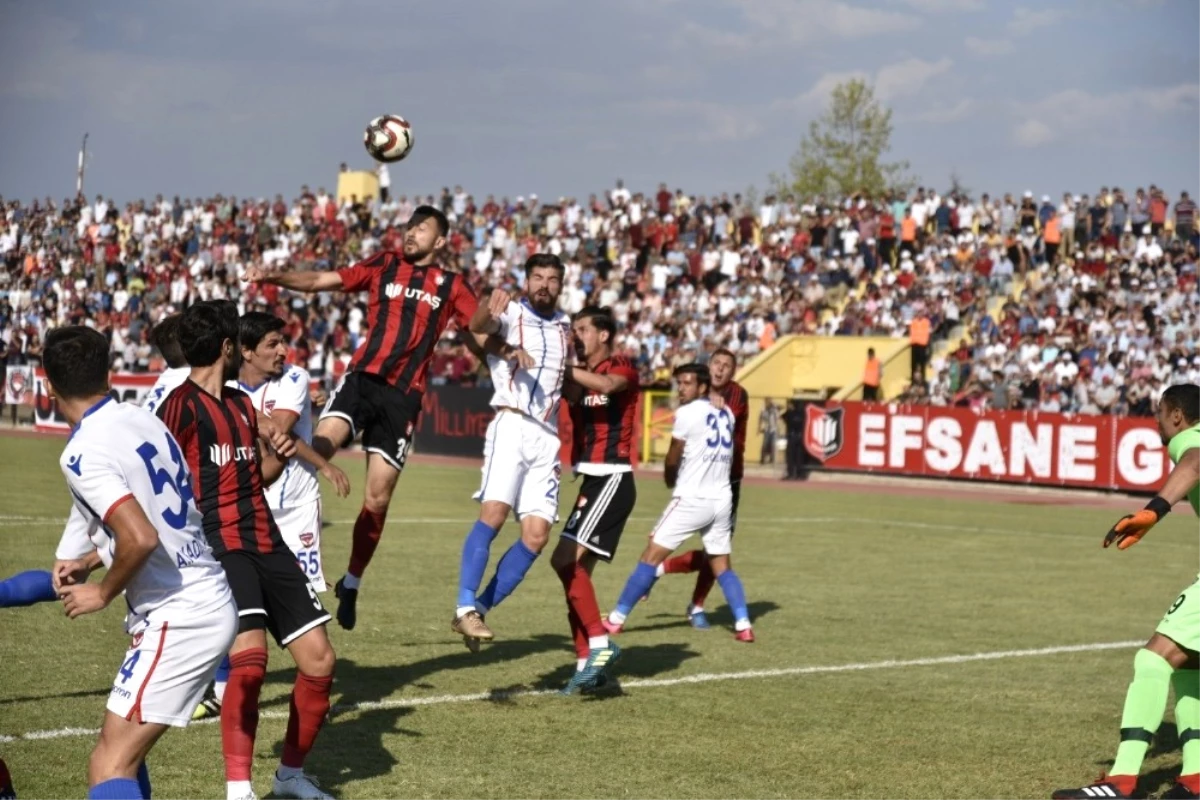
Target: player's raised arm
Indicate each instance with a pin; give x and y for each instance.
(611, 383)
(487, 319)
(1130, 529)
(298, 281)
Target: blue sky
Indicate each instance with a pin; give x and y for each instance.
(562, 98)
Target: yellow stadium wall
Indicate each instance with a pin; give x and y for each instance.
(361, 184)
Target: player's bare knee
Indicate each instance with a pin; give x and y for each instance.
(493, 515)
(314, 654)
(1170, 651)
(720, 564)
(377, 499)
(535, 533)
(563, 557)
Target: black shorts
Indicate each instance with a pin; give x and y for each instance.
(600, 512)
(384, 415)
(272, 592)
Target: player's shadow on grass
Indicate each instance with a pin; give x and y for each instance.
(58, 696)
(636, 662)
(352, 747)
(720, 618)
(368, 684)
(1166, 740)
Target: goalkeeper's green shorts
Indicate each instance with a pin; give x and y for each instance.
(1182, 622)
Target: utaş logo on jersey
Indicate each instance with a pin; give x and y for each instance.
(823, 437)
(222, 454)
(395, 290)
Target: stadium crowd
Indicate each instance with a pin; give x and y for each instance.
(1107, 313)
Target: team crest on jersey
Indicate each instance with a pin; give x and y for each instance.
(823, 437)
(582, 502)
(307, 539)
(136, 642)
(439, 279)
(409, 430)
(269, 406)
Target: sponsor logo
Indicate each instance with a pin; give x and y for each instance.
(222, 454)
(396, 291)
(74, 465)
(119, 692)
(823, 432)
(307, 539)
(596, 400)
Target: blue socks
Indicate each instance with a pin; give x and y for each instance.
(511, 570)
(116, 789)
(144, 780)
(222, 673)
(474, 562)
(735, 595)
(643, 578)
(27, 588)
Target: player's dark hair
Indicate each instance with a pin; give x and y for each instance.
(601, 318)
(544, 260)
(165, 338)
(422, 213)
(204, 328)
(76, 362)
(1183, 396)
(703, 376)
(254, 326)
(723, 351)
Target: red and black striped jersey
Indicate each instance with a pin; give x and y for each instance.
(409, 308)
(219, 439)
(738, 403)
(603, 425)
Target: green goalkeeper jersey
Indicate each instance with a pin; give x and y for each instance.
(1180, 443)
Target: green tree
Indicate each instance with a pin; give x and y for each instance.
(842, 153)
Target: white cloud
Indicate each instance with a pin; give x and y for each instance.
(1026, 20)
(988, 47)
(1075, 111)
(943, 115)
(775, 23)
(943, 6)
(908, 77)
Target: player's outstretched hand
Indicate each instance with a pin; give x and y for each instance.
(318, 397)
(334, 474)
(254, 274)
(498, 303)
(84, 598)
(68, 573)
(717, 400)
(1130, 528)
(279, 440)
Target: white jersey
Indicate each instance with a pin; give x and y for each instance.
(708, 450)
(537, 391)
(166, 383)
(119, 453)
(297, 485)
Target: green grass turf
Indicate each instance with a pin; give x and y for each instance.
(834, 578)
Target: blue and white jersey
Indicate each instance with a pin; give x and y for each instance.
(536, 392)
(298, 484)
(707, 434)
(166, 383)
(117, 454)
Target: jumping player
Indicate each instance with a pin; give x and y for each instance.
(1170, 658)
(126, 471)
(521, 469)
(603, 417)
(697, 470)
(412, 301)
(722, 366)
(217, 429)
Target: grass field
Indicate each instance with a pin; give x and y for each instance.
(847, 590)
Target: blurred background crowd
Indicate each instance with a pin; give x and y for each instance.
(1079, 303)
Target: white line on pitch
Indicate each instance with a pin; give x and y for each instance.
(654, 683)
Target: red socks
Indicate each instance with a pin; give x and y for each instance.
(367, 530)
(310, 704)
(583, 609)
(695, 561)
(239, 711)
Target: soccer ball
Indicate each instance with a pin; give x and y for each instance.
(389, 138)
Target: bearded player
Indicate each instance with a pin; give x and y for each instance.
(521, 468)
(722, 367)
(1170, 658)
(412, 301)
(603, 416)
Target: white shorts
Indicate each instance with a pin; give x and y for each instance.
(169, 665)
(301, 529)
(521, 467)
(712, 519)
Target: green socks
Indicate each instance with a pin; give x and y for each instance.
(1187, 717)
(1145, 705)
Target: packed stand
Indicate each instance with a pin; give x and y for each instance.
(684, 275)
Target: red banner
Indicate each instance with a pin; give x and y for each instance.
(1096, 452)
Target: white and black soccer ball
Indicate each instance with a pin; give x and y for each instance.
(389, 138)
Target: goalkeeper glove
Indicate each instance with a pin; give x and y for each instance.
(1130, 529)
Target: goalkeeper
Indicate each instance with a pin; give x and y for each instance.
(1170, 657)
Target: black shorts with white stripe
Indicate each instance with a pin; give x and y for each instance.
(272, 592)
(601, 511)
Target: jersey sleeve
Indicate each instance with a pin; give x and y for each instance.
(463, 304)
(1182, 442)
(510, 319)
(293, 392)
(624, 367)
(179, 417)
(357, 277)
(96, 481)
(684, 422)
(76, 541)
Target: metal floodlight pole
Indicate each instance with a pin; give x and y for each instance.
(82, 166)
